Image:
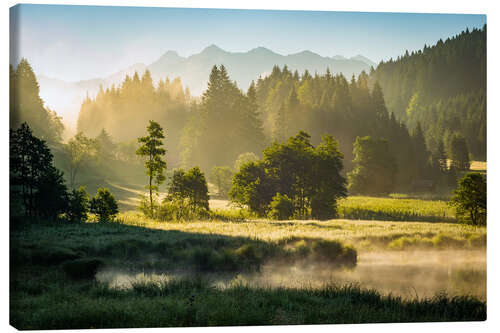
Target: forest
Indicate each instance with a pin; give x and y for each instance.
(423, 127)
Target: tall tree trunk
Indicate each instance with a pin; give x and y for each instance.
(151, 192)
(151, 183)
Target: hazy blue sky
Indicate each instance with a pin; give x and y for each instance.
(83, 42)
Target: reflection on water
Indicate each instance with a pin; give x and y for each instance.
(407, 274)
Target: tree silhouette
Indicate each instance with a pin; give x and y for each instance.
(33, 178)
(104, 205)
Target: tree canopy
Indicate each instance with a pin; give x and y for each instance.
(151, 149)
(27, 106)
(300, 172)
(35, 183)
(443, 87)
(227, 124)
(374, 167)
(470, 199)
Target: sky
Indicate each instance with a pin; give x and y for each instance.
(75, 43)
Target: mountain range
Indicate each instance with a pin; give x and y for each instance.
(243, 67)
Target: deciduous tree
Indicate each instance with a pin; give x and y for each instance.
(470, 199)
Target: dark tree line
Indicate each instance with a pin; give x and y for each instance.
(323, 104)
(443, 87)
(38, 189)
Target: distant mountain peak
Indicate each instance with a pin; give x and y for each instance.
(170, 57)
(171, 53)
(305, 53)
(260, 50)
(364, 59)
(212, 49)
(339, 57)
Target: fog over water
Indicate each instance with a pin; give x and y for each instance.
(407, 274)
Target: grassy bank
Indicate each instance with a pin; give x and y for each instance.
(196, 303)
(363, 235)
(52, 281)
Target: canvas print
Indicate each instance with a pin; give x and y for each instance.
(214, 167)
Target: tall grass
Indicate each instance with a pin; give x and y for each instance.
(363, 234)
(395, 209)
(177, 303)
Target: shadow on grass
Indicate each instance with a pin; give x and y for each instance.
(44, 296)
(144, 249)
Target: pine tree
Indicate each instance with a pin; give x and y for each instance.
(34, 181)
(151, 149)
(420, 152)
(281, 124)
(441, 154)
(27, 106)
(105, 146)
(459, 153)
(254, 134)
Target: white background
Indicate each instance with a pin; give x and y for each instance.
(490, 8)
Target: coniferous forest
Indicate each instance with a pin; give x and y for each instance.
(419, 103)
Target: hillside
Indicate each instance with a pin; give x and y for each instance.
(443, 87)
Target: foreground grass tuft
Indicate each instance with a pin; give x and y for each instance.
(195, 303)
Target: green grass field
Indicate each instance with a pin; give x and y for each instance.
(364, 235)
(395, 209)
(51, 287)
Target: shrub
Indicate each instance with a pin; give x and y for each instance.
(248, 252)
(180, 210)
(82, 268)
(302, 249)
(189, 189)
(78, 205)
(444, 241)
(145, 207)
(204, 258)
(281, 207)
(334, 252)
(104, 205)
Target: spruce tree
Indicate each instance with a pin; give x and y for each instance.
(151, 149)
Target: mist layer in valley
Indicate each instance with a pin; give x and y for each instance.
(67, 97)
(417, 274)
